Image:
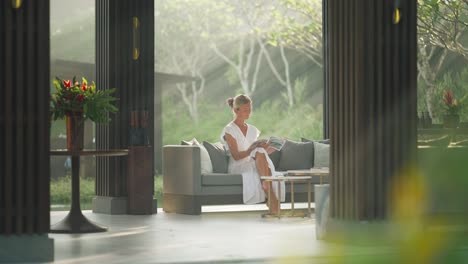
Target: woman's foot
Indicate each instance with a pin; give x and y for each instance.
(274, 209)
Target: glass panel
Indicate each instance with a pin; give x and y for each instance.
(443, 70)
(72, 49)
(217, 49)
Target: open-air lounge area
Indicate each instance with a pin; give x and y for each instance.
(222, 131)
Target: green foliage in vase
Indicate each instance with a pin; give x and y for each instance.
(75, 97)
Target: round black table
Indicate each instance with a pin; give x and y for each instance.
(75, 221)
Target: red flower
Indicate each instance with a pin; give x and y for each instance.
(452, 105)
(67, 83)
(448, 97)
(73, 96)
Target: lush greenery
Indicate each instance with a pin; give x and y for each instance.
(272, 117)
(457, 83)
(60, 192)
(442, 54)
(75, 97)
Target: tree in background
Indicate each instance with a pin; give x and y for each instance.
(241, 33)
(256, 15)
(298, 26)
(287, 28)
(233, 42)
(442, 30)
(180, 50)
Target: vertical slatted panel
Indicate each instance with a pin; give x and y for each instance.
(353, 116)
(102, 81)
(326, 57)
(340, 77)
(372, 97)
(41, 39)
(134, 80)
(24, 118)
(371, 110)
(18, 109)
(331, 12)
(346, 82)
(7, 113)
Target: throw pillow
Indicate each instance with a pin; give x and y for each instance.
(275, 158)
(218, 156)
(321, 155)
(192, 142)
(206, 166)
(296, 156)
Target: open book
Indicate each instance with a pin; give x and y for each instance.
(275, 143)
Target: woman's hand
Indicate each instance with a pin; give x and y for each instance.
(264, 145)
(270, 150)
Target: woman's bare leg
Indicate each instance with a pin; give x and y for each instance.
(263, 170)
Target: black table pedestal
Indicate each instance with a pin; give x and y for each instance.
(75, 221)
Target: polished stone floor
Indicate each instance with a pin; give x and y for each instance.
(222, 234)
(227, 234)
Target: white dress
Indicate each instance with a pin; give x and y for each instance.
(252, 187)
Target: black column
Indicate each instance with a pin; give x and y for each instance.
(325, 55)
(124, 60)
(24, 132)
(372, 99)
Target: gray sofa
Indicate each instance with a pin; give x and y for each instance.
(186, 188)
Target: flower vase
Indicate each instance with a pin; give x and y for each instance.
(75, 131)
(451, 121)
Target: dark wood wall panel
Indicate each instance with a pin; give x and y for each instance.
(103, 80)
(372, 102)
(134, 80)
(24, 118)
(326, 78)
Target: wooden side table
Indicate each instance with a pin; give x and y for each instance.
(291, 180)
(75, 221)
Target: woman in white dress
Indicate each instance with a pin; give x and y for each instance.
(250, 161)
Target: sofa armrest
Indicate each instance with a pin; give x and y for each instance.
(181, 169)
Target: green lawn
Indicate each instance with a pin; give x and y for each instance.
(60, 192)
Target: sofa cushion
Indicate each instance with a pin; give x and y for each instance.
(296, 156)
(275, 158)
(219, 159)
(221, 179)
(206, 164)
(321, 155)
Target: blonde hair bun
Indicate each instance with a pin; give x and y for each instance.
(230, 102)
(238, 101)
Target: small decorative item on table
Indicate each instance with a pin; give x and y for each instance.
(76, 102)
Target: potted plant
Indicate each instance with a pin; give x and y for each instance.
(76, 102)
(452, 109)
